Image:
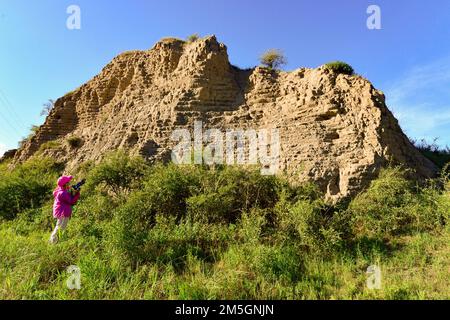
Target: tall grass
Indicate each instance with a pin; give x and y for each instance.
(193, 232)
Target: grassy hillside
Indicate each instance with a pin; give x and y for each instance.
(191, 232)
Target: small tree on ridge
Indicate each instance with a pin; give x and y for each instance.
(273, 58)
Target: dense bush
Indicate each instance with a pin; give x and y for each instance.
(340, 67)
(92, 215)
(310, 224)
(28, 186)
(164, 192)
(116, 173)
(383, 209)
(224, 194)
(191, 193)
(394, 205)
(193, 37)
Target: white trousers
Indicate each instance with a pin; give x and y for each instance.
(61, 224)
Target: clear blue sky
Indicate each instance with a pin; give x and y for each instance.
(409, 59)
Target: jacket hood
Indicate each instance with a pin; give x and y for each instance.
(62, 181)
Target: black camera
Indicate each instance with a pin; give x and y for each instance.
(78, 186)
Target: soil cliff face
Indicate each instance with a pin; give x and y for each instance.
(334, 129)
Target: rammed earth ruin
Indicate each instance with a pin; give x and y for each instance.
(335, 129)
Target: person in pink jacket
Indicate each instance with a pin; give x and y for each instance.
(62, 207)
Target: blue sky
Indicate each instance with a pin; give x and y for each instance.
(409, 58)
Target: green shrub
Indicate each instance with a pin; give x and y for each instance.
(340, 67)
(310, 224)
(439, 158)
(4, 168)
(224, 194)
(445, 173)
(28, 186)
(24, 222)
(382, 210)
(169, 187)
(117, 173)
(252, 225)
(164, 192)
(393, 205)
(430, 209)
(74, 142)
(189, 193)
(213, 207)
(84, 168)
(93, 214)
(50, 145)
(199, 196)
(131, 224)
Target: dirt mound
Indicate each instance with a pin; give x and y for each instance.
(334, 129)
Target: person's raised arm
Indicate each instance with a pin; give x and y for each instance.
(67, 198)
(75, 198)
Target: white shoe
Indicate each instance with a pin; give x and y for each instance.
(53, 240)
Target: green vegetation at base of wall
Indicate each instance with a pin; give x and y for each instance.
(193, 232)
(439, 155)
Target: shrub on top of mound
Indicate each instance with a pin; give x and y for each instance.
(340, 67)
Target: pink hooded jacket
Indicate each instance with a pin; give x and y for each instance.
(62, 207)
